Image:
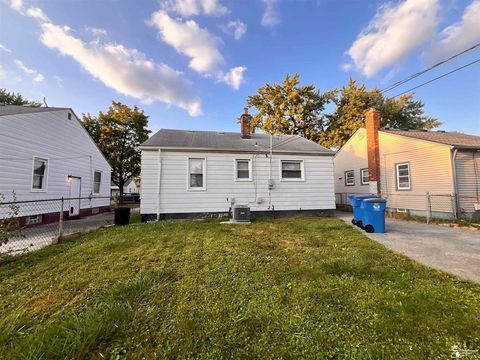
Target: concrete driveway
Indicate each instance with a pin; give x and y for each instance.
(453, 250)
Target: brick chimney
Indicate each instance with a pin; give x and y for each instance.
(245, 124)
(372, 124)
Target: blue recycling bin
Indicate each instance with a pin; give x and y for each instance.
(374, 215)
(356, 202)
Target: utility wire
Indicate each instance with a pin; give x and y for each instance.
(439, 77)
(401, 82)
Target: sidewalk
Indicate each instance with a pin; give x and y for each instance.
(36, 237)
(453, 250)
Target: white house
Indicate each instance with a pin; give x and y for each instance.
(188, 174)
(132, 186)
(46, 153)
(419, 172)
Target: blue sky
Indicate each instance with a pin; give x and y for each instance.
(191, 64)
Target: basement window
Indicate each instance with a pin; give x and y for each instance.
(196, 174)
(364, 177)
(243, 170)
(349, 178)
(402, 171)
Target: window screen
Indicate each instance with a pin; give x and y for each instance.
(39, 173)
(291, 169)
(196, 173)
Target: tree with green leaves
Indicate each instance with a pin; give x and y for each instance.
(353, 100)
(288, 108)
(10, 98)
(118, 133)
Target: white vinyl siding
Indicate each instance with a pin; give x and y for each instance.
(39, 174)
(364, 177)
(67, 147)
(316, 192)
(292, 170)
(403, 176)
(243, 170)
(349, 178)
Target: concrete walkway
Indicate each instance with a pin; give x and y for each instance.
(453, 250)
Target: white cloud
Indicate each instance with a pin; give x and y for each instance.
(234, 78)
(97, 32)
(395, 31)
(270, 16)
(458, 36)
(125, 70)
(235, 28)
(34, 74)
(4, 48)
(16, 5)
(189, 39)
(188, 8)
(37, 13)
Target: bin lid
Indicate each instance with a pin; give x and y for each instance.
(364, 196)
(376, 200)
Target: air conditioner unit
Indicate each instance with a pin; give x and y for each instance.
(241, 213)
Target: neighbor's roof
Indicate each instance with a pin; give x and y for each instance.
(19, 109)
(232, 141)
(451, 138)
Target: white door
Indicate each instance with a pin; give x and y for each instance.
(75, 187)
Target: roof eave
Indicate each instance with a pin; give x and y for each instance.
(182, 149)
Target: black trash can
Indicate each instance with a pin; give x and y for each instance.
(122, 216)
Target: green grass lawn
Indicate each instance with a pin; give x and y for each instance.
(287, 288)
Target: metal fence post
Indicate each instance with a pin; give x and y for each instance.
(60, 222)
(429, 208)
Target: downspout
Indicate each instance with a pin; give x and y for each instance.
(159, 182)
(270, 173)
(455, 185)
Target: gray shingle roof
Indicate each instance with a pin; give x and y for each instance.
(230, 141)
(451, 138)
(18, 109)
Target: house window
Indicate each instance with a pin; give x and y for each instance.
(365, 179)
(196, 174)
(349, 178)
(242, 170)
(39, 181)
(292, 170)
(403, 176)
(97, 180)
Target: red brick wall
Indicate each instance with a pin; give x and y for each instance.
(372, 124)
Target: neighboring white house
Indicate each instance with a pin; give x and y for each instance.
(131, 187)
(46, 153)
(188, 174)
(426, 173)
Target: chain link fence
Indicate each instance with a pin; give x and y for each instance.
(428, 205)
(31, 225)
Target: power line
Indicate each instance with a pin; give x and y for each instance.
(401, 82)
(439, 77)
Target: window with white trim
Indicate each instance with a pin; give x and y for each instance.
(292, 170)
(364, 177)
(196, 173)
(97, 180)
(403, 176)
(39, 181)
(349, 178)
(243, 170)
